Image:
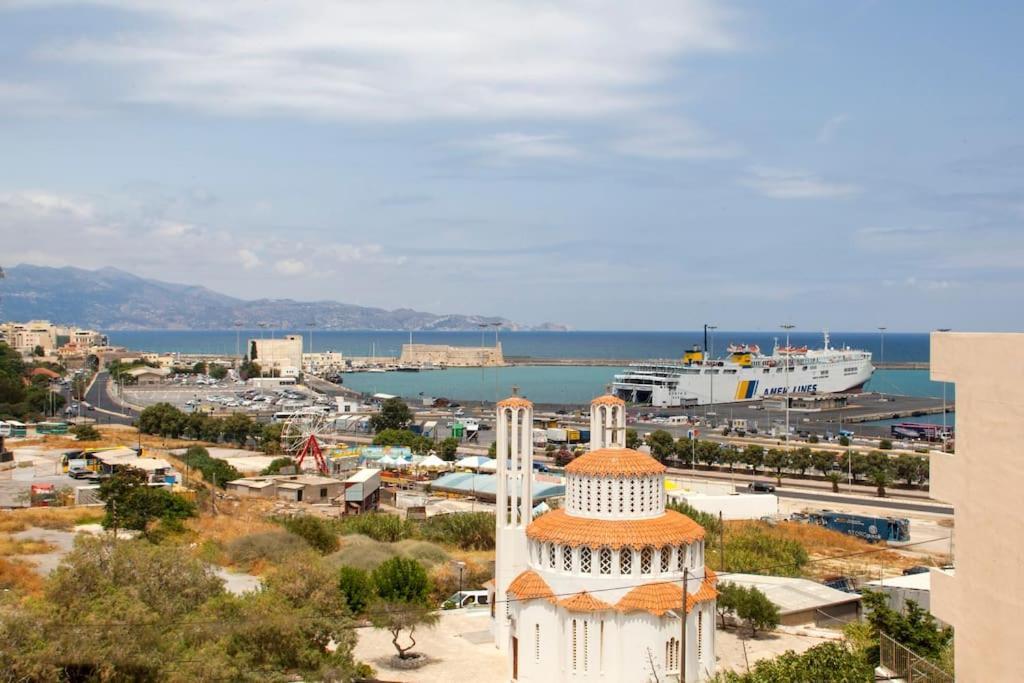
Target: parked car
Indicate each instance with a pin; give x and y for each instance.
(79, 473)
(761, 487)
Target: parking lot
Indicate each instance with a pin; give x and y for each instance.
(225, 396)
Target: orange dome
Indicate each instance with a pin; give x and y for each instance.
(608, 400)
(529, 586)
(583, 602)
(671, 528)
(658, 598)
(615, 462)
(515, 402)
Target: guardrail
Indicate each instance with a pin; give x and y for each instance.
(904, 663)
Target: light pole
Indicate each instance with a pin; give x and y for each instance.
(711, 354)
(943, 329)
(881, 356)
(461, 566)
(786, 368)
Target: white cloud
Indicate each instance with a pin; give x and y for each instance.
(673, 138)
(401, 59)
(290, 267)
(40, 203)
(830, 128)
(249, 259)
(779, 183)
(513, 146)
(173, 229)
(362, 253)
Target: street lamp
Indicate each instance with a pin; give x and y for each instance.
(881, 357)
(711, 354)
(462, 567)
(786, 368)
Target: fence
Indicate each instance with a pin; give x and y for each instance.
(905, 664)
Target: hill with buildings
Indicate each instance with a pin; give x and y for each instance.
(112, 299)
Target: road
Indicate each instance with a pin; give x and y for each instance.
(105, 410)
(890, 503)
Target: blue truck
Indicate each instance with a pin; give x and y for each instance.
(869, 528)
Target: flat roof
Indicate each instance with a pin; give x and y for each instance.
(362, 475)
(921, 581)
(791, 594)
(485, 486)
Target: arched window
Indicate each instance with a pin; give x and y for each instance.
(585, 560)
(672, 656)
(567, 558)
(666, 559)
(700, 634)
(574, 645)
(551, 555)
(646, 560)
(625, 560)
(681, 558)
(536, 642)
(605, 562)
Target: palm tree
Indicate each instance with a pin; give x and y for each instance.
(835, 478)
(881, 478)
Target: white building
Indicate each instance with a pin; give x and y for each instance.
(594, 591)
(283, 355)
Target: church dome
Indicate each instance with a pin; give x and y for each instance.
(669, 529)
(615, 462)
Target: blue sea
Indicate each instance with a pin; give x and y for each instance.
(543, 384)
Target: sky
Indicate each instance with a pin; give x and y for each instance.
(649, 165)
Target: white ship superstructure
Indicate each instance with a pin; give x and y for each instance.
(745, 374)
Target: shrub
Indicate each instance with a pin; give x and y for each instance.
(276, 464)
(402, 580)
(318, 533)
(424, 552)
(466, 530)
(705, 519)
(760, 549)
(361, 552)
(885, 444)
(212, 469)
(272, 547)
(86, 433)
(357, 587)
(378, 526)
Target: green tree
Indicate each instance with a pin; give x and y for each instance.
(38, 351)
(199, 368)
(357, 587)
(801, 460)
(131, 503)
(394, 414)
(823, 461)
(835, 478)
(844, 440)
(914, 628)
(214, 470)
(162, 419)
(403, 589)
(880, 478)
(238, 427)
(729, 597)
(776, 459)
(759, 613)
(86, 432)
(78, 386)
(270, 437)
(249, 369)
(632, 438)
(709, 452)
(753, 455)
(707, 520)
(662, 444)
(911, 469)
(885, 444)
(218, 372)
(448, 449)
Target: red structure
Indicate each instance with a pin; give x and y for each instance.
(312, 447)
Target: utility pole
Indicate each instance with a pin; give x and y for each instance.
(881, 359)
(721, 541)
(682, 641)
(711, 354)
(786, 367)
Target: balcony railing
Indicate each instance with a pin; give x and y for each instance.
(904, 664)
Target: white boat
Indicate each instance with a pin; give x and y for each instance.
(744, 375)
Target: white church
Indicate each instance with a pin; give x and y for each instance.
(594, 590)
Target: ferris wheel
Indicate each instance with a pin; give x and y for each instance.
(301, 436)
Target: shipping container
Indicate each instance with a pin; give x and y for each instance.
(557, 435)
(863, 526)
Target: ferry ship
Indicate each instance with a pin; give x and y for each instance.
(745, 374)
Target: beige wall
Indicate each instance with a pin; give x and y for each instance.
(453, 356)
(984, 601)
(278, 353)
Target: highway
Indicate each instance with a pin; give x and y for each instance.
(105, 411)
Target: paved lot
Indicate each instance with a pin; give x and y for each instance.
(35, 466)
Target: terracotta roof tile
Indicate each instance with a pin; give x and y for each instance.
(515, 402)
(671, 528)
(608, 400)
(658, 598)
(529, 586)
(615, 462)
(583, 602)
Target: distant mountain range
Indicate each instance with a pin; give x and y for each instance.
(112, 299)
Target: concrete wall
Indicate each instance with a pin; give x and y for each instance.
(984, 601)
(277, 353)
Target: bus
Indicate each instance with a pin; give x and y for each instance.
(52, 428)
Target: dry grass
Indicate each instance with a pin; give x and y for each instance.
(64, 518)
(23, 546)
(20, 577)
(224, 528)
(832, 552)
(111, 435)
